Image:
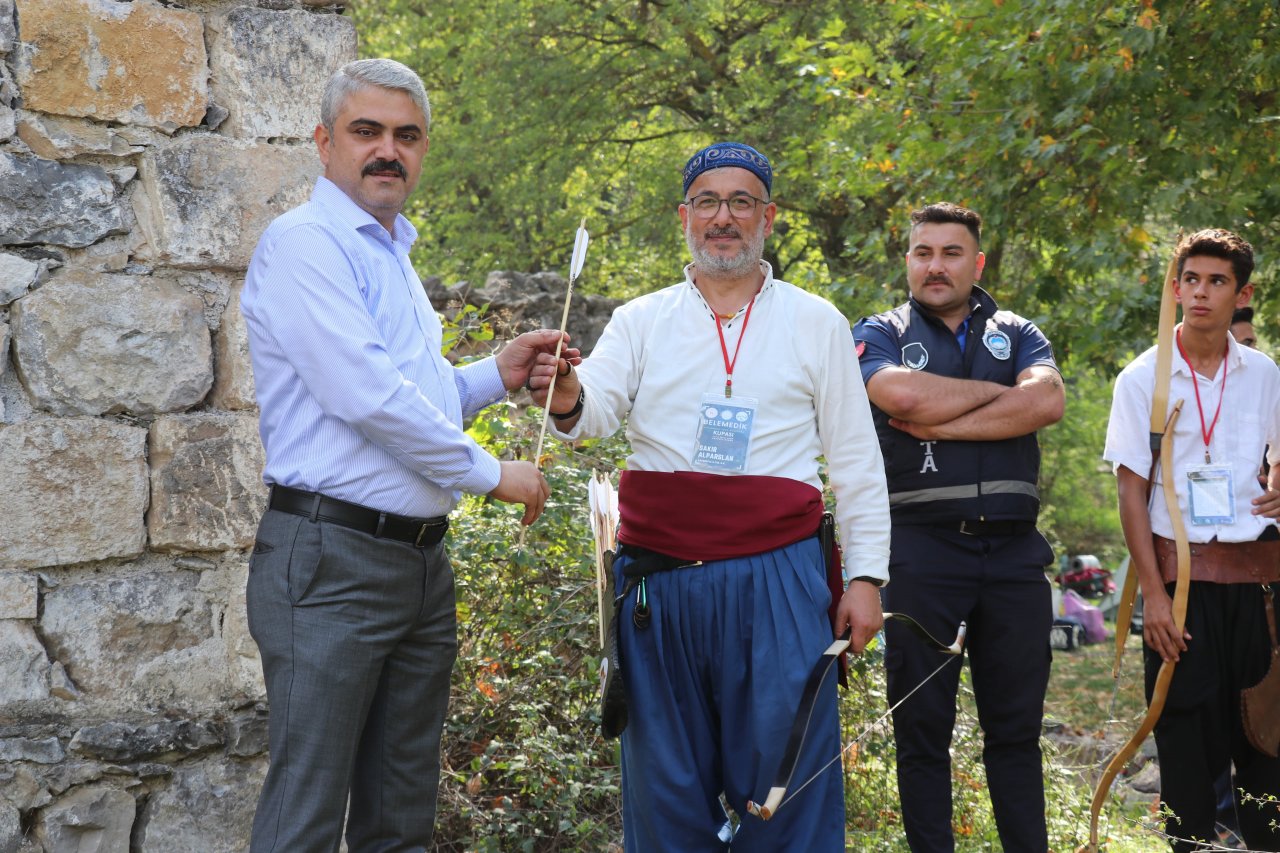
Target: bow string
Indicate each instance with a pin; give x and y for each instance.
(777, 796)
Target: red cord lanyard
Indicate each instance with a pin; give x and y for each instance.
(1206, 434)
(724, 350)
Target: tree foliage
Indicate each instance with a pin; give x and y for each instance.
(1086, 132)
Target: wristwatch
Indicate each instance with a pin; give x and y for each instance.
(577, 407)
(877, 582)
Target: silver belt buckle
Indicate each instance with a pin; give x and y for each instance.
(422, 532)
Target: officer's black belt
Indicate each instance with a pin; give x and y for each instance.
(975, 527)
(419, 532)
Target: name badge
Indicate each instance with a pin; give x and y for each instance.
(1212, 495)
(724, 434)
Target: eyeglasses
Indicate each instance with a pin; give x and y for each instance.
(741, 206)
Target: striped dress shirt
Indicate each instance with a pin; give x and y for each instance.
(356, 400)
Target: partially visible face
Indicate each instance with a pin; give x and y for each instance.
(375, 152)
(943, 263)
(1207, 292)
(1244, 334)
(723, 244)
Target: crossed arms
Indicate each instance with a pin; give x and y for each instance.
(932, 407)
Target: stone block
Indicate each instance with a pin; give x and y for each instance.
(212, 288)
(4, 356)
(17, 274)
(22, 786)
(205, 200)
(44, 201)
(132, 63)
(19, 595)
(92, 819)
(233, 387)
(243, 663)
(206, 482)
(191, 680)
(8, 32)
(24, 667)
(121, 743)
(115, 634)
(207, 806)
(269, 68)
(75, 491)
(8, 91)
(248, 733)
(36, 750)
(10, 821)
(103, 344)
(56, 138)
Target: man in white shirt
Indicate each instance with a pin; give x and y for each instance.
(733, 384)
(1230, 414)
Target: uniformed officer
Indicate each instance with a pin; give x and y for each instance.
(959, 388)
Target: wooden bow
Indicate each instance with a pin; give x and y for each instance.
(777, 795)
(1162, 450)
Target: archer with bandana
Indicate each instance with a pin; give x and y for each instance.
(733, 384)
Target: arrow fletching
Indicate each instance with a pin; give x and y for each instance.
(580, 241)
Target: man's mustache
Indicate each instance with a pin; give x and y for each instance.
(385, 166)
(938, 279)
(713, 233)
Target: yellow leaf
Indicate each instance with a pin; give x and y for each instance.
(1127, 55)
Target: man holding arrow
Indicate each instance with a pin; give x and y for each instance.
(350, 593)
(1217, 642)
(734, 384)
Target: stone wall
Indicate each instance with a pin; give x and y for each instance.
(143, 148)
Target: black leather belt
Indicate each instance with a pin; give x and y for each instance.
(975, 527)
(419, 532)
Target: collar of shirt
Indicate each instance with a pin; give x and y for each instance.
(331, 196)
(1234, 361)
(765, 288)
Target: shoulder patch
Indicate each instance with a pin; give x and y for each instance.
(997, 343)
(915, 356)
(859, 347)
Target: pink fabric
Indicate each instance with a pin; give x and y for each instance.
(1089, 616)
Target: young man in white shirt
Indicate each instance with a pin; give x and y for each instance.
(1230, 414)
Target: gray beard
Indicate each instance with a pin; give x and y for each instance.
(717, 265)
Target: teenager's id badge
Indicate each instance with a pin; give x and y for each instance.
(1212, 494)
(724, 434)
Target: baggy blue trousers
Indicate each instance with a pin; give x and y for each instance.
(713, 682)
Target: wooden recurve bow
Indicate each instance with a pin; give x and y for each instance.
(1162, 428)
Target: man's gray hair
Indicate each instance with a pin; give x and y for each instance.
(386, 73)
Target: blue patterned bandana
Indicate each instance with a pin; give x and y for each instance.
(726, 154)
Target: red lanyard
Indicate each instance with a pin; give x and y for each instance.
(1206, 434)
(728, 365)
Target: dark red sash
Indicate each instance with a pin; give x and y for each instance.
(714, 517)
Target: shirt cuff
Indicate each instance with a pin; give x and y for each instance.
(871, 564)
(484, 384)
(484, 474)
